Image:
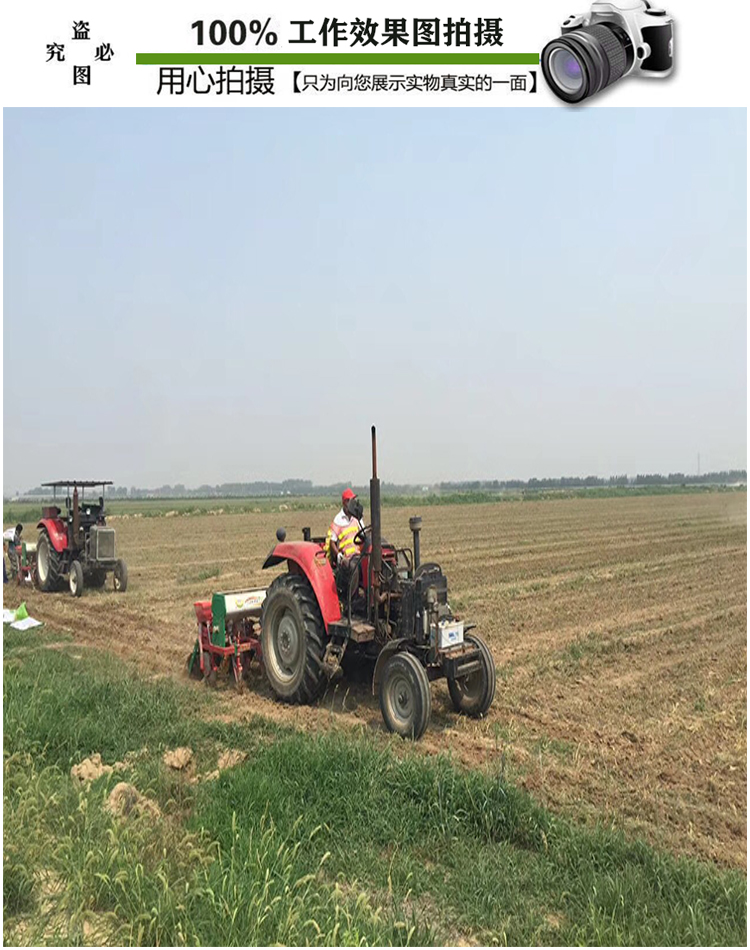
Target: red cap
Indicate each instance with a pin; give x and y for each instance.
(346, 495)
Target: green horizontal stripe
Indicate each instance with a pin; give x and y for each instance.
(337, 59)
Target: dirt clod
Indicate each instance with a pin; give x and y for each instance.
(125, 800)
(98, 929)
(230, 758)
(90, 769)
(227, 760)
(178, 758)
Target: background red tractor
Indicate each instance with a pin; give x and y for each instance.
(77, 547)
(382, 605)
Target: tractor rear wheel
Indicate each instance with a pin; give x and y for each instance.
(121, 576)
(293, 640)
(473, 694)
(48, 564)
(75, 578)
(405, 698)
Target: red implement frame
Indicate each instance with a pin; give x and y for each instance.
(212, 657)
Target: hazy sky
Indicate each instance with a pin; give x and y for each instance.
(205, 295)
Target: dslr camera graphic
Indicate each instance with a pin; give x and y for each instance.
(613, 40)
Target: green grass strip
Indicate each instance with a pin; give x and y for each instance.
(337, 59)
(334, 838)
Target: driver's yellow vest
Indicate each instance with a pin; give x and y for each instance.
(344, 535)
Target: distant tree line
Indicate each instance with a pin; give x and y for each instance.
(593, 481)
(303, 486)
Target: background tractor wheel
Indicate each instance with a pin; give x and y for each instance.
(405, 698)
(293, 638)
(75, 578)
(96, 579)
(121, 576)
(48, 564)
(473, 694)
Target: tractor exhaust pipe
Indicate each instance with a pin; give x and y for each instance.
(376, 554)
(76, 517)
(415, 524)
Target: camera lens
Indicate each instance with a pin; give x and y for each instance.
(586, 60)
(566, 69)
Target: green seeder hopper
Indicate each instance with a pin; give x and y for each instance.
(228, 634)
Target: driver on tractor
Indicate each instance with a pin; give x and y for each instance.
(340, 543)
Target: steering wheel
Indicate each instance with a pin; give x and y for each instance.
(361, 536)
(427, 567)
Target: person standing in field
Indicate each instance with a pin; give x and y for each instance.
(7, 540)
(340, 544)
(14, 542)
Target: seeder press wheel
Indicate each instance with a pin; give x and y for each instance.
(194, 664)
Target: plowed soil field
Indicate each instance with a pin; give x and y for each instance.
(618, 627)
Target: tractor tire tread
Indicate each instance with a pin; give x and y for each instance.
(54, 580)
(480, 708)
(313, 679)
(96, 578)
(120, 579)
(418, 675)
(75, 578)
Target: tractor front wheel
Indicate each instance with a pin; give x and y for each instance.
(96, 578)
(473, 694)
(293, 640)
(405, 698)
(121, 576)
(48, 564)
(75, 578)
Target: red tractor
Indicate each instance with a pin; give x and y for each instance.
(383, 605)
(78, 547)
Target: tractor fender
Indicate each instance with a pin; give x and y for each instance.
(393, 646)
(57, 531)
(309, 559)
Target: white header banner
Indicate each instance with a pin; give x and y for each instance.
(370, 53)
